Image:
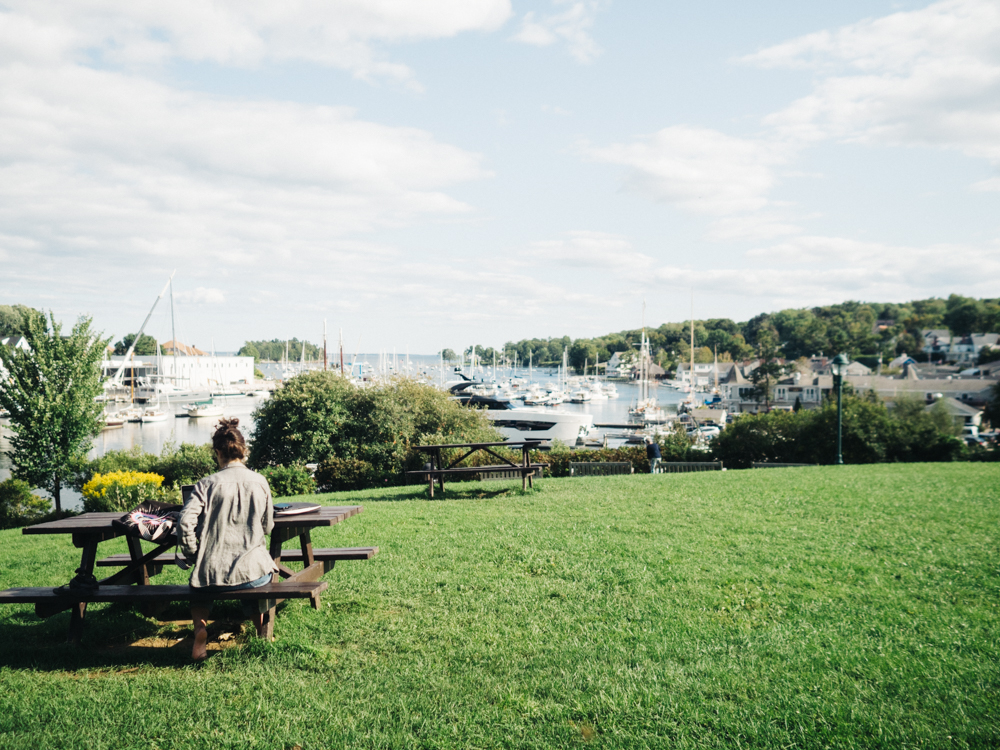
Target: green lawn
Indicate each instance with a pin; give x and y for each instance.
(818, 607)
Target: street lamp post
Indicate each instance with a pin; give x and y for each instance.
(839, 368)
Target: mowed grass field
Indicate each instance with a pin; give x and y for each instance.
(818, 607)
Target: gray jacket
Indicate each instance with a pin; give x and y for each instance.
(223, 527)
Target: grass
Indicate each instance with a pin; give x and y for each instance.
(819, 607)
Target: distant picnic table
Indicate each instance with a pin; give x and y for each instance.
(436, 470)
(132, 584)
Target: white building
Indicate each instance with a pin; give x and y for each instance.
(191, 374)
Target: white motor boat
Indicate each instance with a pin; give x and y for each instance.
(581, 397)
(205, 410)
(530, 423)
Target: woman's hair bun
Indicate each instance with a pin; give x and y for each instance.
(228, 440)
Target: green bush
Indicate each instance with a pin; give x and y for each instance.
(287, 481)
(339, 474)
(321, 415)
(871, 433)
(18, 506)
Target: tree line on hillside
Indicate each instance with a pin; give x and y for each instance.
(859, 329)
(274, 350)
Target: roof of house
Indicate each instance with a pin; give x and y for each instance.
(183, 349)
(954, 406)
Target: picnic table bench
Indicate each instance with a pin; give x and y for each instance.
(436, 470)
(599, 468)
(131, 583)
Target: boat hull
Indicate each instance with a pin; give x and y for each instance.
(541, 424)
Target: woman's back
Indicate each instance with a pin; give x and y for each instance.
(224, 527)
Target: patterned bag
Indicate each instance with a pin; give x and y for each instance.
(151, 520)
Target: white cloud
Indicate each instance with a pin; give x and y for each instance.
(926, 77)
(750, 227)
(571, 26)
(97, 162)
(202, 296)
(697, 169)
(590, 250)
(249, 32)
(991, 185)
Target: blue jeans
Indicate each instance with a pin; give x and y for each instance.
(209, 590)
(654, 464)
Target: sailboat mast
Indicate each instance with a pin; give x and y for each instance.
(173, 334)
(324, 345)
(692, 346)
(342, 352)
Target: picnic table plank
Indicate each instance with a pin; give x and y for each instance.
(508, 443)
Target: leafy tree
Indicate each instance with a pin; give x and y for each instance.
(320, 415)
(582, 352)
(145, 347)
(13, 319)
(249, 349)
(770, 437)
(765, 374)
(49, 392)
(448, 355)
(991, 412)
(962, 314)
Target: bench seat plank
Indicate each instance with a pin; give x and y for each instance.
(475, 470)
(287, 555)
(142, 594)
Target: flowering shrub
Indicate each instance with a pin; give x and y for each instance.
(120, 490)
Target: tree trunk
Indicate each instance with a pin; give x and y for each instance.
(56, 487)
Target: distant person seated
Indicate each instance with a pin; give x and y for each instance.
(223, 531)
(653, 454)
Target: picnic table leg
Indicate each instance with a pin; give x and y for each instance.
(76, 615)
(305, 542)
(440, 476)
(84, 573)
(135, 550)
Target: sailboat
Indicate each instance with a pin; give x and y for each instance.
(156, 413)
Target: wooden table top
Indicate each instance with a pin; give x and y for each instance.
(85, 523)
(505, 444)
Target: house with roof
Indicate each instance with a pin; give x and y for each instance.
(963, 415)
(176, 347)
(939, 344)
(13, 342)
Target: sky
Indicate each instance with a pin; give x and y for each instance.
(449, 172)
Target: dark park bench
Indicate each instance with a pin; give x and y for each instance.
(768, 465)
(677, 467)
(599, 468)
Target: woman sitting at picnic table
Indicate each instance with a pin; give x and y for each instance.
(223, 527)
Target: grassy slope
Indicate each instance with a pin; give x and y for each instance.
(847, 607)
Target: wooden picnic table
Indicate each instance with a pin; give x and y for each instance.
(88, 530)
(525, 468)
